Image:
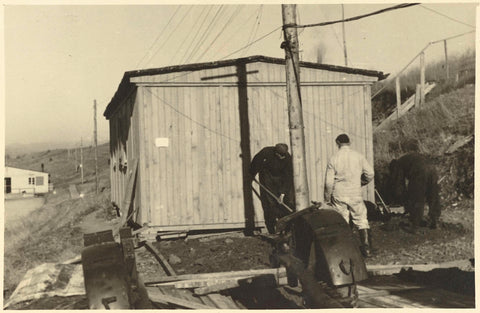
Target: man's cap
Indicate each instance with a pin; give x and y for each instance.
(281, 148)
(343, 138)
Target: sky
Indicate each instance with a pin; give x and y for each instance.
(58, 59)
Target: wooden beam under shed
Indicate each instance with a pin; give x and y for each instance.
(160, 258)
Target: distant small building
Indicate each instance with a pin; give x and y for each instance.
(19, 181)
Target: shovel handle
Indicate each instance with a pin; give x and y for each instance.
(273, 195)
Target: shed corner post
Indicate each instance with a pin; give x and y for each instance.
(142, 142)
(246, 153)
(369, 153)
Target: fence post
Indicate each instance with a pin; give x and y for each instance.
(417, 95)
(422, 78)
(399, 98)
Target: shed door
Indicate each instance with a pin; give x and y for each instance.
(197, 178)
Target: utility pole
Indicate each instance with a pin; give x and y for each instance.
(446, 59)
(295, 116)
(81, 159)
(76, 160)
(399, 95)
(344, 40)
(95, 141)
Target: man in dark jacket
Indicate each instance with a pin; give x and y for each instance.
(413, 179)
(274, 166)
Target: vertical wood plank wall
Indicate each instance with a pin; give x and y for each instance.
(197, 179)
(196, 182)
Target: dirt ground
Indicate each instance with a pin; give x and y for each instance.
(452, 240)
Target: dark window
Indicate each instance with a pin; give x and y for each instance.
(8, 184)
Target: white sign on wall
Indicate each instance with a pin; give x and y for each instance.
(161, 142)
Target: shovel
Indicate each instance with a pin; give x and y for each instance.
(273, 196)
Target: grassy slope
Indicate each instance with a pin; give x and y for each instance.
(434, 128)
(52, 233)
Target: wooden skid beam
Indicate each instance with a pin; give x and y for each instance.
(253, 281)
(278, 272)
(160, 258)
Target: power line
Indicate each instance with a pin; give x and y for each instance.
(171, 33)
(182, 59)
(448, 17)
(276, 94)
(248, 45)
(159, 35)
(241, 26)
(396, 7)
(204, 35)
(194, 26)
(256, 26)
(192, 120)
(232, 17)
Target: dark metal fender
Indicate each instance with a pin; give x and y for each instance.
(337, 258)
(105, 276)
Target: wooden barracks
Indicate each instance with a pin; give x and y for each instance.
(182, 137)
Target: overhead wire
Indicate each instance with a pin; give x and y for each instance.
(171, 33)
(256, 26)
(158, 36)
(204, 34)
(191, 119)
(446, 16)
(187, 51)
(241, 26)
(253, 42)
(276, 94)
(188, 35)
(354, 18)
(229, 21)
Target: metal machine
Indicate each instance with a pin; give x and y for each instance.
(110, 274)
(318, 246)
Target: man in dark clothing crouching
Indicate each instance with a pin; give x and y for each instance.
(274, 166)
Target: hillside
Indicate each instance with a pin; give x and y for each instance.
(62, 165)
(53, 233)
(434, 128)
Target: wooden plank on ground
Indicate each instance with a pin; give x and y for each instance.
(156, 295)
(160, 258)
(222, 302)
(396, 268)
(196, 283)
(278, 272)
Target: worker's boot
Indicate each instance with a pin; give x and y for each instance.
(364, 243)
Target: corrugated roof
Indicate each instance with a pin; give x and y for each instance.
(125, 85)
